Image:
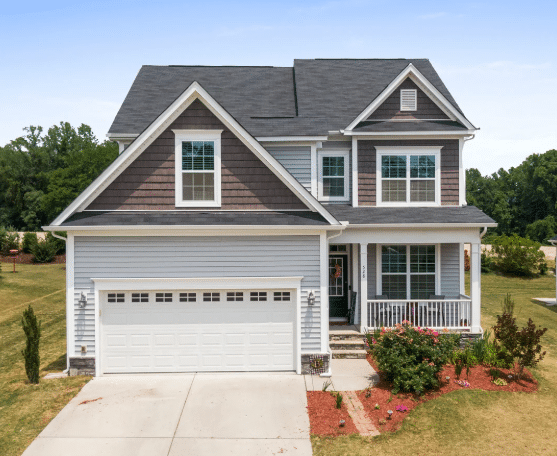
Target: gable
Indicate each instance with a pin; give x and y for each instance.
(390, 108)
(148, 183)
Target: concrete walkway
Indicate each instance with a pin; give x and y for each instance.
(171, 415)
(348, 375)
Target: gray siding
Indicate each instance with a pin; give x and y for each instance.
(297, 161)
(450, 269)
(183, 257)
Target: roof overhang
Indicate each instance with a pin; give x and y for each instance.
(142, 141)
(437, 97)
(424, 225)
(458, 133)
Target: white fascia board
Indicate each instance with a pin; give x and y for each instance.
(114, 136)
(456, 133)
(197, 283)
(424, 225)
(141, 142)
(291, 138)
(423, 83)
(200, 228)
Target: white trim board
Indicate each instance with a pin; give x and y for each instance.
(193, 92)
(420, 80)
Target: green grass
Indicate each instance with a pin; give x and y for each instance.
(26, 409)
(477, 422)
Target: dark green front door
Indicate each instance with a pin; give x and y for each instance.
(338, 286)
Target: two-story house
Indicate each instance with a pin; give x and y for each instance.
(251, 207)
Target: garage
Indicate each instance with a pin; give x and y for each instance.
(197, 330)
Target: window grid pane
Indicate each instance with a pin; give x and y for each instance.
(422, 286)
(393, 166)
(422, 166)
(333, 186)
(393, 258)
(422, 258)
(258, 296)
(422, 191)
(394, 190)
(198, 156)
(333, 166)
(234, 296)
(188, 297)
(394, 286)
(198, 186)
(211, 297)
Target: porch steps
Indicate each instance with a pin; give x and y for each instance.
(346, 342)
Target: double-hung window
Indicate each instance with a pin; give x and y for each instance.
(408, 176)
(408, 271)
(333, 176)
(198, 174)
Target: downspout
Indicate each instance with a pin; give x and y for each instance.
(482, 234)
(66, 370)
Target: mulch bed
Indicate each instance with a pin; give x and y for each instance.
(324, 418)
(479, 379)
(26, 258)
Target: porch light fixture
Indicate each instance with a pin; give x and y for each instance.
(82, 300)
(311, 298)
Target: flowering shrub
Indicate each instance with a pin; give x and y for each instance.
(411, 357)
(401, 408)
(462, 383)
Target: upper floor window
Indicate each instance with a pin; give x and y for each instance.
(198, 174)
(408, 176)
(333, 176)
(408, 100)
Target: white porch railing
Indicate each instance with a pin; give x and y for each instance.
(453, 314)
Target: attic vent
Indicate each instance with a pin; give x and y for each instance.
(408, 100)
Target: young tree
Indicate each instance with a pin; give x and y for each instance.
(32, 329)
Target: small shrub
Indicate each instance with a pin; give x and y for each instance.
(32, 329)
(338, 399)
(487, 262)
(9, 240)
(29, 240)
(43, 252)
(412, 357)
(517, 256)
(521, 348)
(466, 261)
(59, 244)
(464, 359)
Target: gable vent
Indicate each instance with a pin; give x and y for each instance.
(408, 100)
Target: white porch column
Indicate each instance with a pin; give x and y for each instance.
(363, 283)
(475, 285)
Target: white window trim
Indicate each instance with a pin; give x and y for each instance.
(196, 135)
(346, 155)
(415, 95)
(411, 150)
(379, 263)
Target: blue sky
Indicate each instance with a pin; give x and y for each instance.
(75, 61)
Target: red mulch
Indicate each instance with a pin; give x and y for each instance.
(26, 258)
(479, 378)
(324, 418)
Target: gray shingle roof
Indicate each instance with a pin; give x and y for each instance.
(186, 218)
(406, 215)
(312, 98)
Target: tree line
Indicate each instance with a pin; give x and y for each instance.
(42, 173)
(522, 200)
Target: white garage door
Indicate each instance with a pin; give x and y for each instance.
(194, 331)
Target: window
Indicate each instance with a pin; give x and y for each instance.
(408, 271)
(188, 297)
(140, 297)
(234, 296)
(163, 297)
(333, 176)
(409, 176)
(197, 162)
(116, 297)
(211, 297)
(282, 295)
(408, 100)
(337, 248)
(258, 296)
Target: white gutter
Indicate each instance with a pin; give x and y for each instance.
(424, 225)
(482, 234)
(192, 227)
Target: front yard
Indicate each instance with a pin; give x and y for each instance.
(461, 422)
(478, 422)
(26, 409)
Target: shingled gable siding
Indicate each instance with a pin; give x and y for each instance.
(148, 183)
(390, 108)
(367, 157)
(184, 257)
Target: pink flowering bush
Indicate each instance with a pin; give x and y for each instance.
(411, 357)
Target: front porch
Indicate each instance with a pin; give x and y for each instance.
(374, 285)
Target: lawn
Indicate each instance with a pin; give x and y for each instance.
(476, 422)
(26, 409)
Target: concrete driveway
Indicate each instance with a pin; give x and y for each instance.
(170, 415)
